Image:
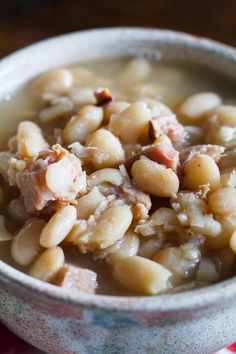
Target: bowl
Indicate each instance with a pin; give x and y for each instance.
(62, 322)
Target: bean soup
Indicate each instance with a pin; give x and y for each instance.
(119, 177)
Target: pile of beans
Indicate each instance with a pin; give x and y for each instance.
(146, 190)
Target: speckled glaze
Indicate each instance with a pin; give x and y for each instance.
(57, 321)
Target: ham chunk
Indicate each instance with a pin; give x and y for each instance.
(167, 125)
(162, 153)
(76, 278)
(58, 176)
(35, 193)
(214, 151)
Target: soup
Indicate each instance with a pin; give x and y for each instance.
(118, 177)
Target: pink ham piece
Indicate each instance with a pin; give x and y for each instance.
(54, 177)
(35, 193)
(76, 278)
(162, 153)
(168, 125)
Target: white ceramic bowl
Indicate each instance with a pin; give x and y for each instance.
(56, 321)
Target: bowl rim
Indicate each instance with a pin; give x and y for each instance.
(188, 300)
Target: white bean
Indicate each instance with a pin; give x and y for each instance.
(150, 246)
(157, 107)
(141, 275)
(106, 175)
(134, 71)
(59, 109)
(228, 225)
(87, 204)
(65, 177)
(30, 140)
(207, 271)
(25, 246)
(195, 106)
(5, 235)
(154, 179)
(110, 226)
(82, 76)
(226, 115)
(163, 216)
(59, 177)
(140, 212)
(88, 119)
(223, 201)
(232, 242)
(82, 95)
(16, 210)
(109, 149)
(48, 264)
(129, 247)
(114, 107)
(181, 261)
(131, 123)
(55, 81)
(105, 231)
(201, 170)
(58, 227)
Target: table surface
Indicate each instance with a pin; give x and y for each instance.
(26, 21)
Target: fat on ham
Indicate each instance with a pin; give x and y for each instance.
(76, 278)
(162, 153)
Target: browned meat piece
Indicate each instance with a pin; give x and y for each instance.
(57, 177)
(164, 154)
(161, 153)
(214, 151)
(76, 278)
(102, 96)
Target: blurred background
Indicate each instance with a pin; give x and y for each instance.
(25, 21)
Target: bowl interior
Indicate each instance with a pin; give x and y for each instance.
(18, 68)
(21, 66)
